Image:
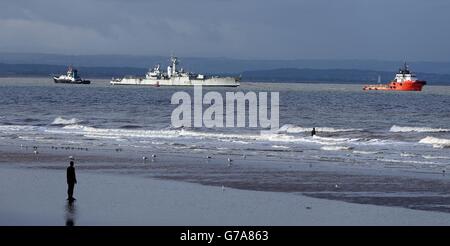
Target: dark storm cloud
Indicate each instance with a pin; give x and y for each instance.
(382, 29)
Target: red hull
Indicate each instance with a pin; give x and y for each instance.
(397, 86)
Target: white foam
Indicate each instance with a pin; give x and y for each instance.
(64, 121)
(16, 128)
(336, 148)
(436, 142)
(435, 157)
(328, 141)
(280, 147)
(395, 128)
(407, 161)
(404, 154)
(365, 152)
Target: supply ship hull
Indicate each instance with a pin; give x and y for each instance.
(396, 86)
(404, 80)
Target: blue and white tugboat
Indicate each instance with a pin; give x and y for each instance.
(71, 77)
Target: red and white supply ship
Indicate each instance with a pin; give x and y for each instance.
(404, 80)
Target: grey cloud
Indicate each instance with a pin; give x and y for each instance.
(382, 29)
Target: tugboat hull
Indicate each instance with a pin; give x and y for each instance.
(64, 81)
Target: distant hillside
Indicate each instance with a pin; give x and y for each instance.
(217, 64)
(16, 70)
(272, 75)
(333, 75)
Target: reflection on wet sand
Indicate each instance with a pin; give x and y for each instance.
(70, 213)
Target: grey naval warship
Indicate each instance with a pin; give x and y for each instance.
(174, 77)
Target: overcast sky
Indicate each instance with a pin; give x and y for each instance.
(262, 29)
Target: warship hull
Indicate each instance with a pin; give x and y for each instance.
(178, 81)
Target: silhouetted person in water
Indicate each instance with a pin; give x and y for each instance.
(71, 181)
(313, 132)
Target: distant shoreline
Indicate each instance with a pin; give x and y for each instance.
(277, 75)
(18, 76)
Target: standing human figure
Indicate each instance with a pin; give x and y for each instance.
(313, 132)
(71, 181)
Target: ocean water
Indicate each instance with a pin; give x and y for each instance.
(404, 130)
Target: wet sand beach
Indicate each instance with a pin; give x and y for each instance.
(37, 197)
(122, 177)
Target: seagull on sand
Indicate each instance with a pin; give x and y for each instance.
(230, 161)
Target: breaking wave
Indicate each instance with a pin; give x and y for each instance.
(289, 128)
(436, 142)
(183, 133)
(64, 121)
(395, 128)
(336, 148)
(365, 152)
(407, 161)
(435, 157)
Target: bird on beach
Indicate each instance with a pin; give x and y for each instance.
(208, 157)
(35, 152)
(230, 162)
(245, 156)
(144, 158)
